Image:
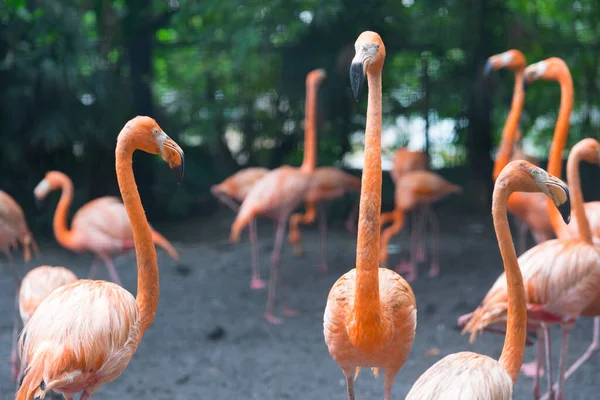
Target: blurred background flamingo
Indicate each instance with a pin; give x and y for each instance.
(100, 227)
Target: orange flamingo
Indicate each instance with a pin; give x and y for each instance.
(279, 192)
(36, 286)
(475, 376)
(235, 189)
(371, 313)
(561, 276)
(13, 231)
(528, 208)
(84, 334)
(100, 227)
(328, 183)
(414, 189)
(405, 161)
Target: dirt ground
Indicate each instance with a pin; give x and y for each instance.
(210, 340)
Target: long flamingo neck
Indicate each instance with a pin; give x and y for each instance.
(510, 127)
(561, 132)
(514, 344)
(148, 285)
(63, 235)
(577, 196)
(310, 127)
(367, 324)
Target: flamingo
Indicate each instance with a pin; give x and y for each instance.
(328, 183)
(100, 227)
(279, 192)
(468, 375)
(84, 334)
(405, 161)
(35, 287)
(13, 231)
(528, 208)
(587, 150)
(235, 189)
(562, 277)
(371, 313)
(414, 189)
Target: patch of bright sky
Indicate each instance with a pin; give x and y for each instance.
(306, 17)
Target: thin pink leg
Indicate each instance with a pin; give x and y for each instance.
(422, 232)
(594, 347)
(93, 268)
(323, 237)
(275, 261)
(256, 282)
(350, 386)
(409, 269)
(85, 396)
(562, 363)
(351, 221)
(434, 270)
(112, 272)
(14, 362)
(522, 226)
(548, 352)
(536, 369)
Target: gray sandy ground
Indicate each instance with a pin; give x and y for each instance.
(210, 340)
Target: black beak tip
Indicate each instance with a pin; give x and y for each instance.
(357, 78)
(565, 209)
(489, 67)
(39, 203)
(525, 84)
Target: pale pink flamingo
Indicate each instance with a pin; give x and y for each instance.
(279, 192)
(561, 277)
(14, 231)
(413, 189)
(100, 227)
(84, 334)
(234, 190)
(371, 313)
(405, 161)
(328, 183)
(35, 287)
(468, 375)
(586, 150)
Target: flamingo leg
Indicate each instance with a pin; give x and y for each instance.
(93, 268)
(323, 237)
(388, 381)
(434, 270)
(85, 396)
(535, 372)
(594, 347)
(275, 261)
(256, 282)
(13, 270)
(522, 226)
(351, 221)
(14, 362)
(548, 352)
(110, 266)
(350, 386)
(562, 363)
(419, 231)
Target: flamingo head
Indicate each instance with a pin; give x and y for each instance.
(149, 137)
(52, 181)
(550, 69)
(369, 57)
(513, 60)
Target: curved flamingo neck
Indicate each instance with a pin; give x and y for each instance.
(559, 141)
(366, 326)
(63, 235)
(514, 344)
(310, 127)
(510, 127)
(574, 180)
(148, 285)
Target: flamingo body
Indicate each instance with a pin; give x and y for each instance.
(239, 184)
(463, 376)
(398, 308)
(13, 228)
(95, 349)
(329, 183)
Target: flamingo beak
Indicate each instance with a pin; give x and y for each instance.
(489, 67)
(559, 193)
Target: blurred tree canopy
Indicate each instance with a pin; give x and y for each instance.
(227, 80)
